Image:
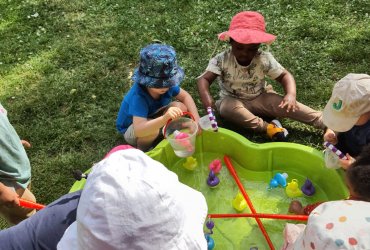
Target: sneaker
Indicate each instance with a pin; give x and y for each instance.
(276, 132)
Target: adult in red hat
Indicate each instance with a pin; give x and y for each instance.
(245, 96)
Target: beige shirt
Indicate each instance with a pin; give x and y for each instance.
(244, 82)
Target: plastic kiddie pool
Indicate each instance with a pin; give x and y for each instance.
(255, 165)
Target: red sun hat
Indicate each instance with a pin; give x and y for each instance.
(247, 27)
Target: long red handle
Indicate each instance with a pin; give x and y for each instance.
(263, 216)
(30, 204)
(246, 197)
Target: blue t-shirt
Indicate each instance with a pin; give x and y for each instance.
(43, 230)
(138, 102)
(354, 140)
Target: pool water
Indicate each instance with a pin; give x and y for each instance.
(255, 165)
(241, 233)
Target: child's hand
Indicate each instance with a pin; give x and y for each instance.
(296, 207)
(330, 136)
(346, 163)
(8, 197)
(199, 129)
(26, 144)
(289, 103)
(172, 113)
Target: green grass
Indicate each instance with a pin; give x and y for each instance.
(65, 65)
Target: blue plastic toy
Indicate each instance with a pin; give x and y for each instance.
(279, 179)
(210, 242)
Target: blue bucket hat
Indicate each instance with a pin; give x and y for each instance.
(158, 67)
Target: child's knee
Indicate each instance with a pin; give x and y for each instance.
(228, 107)
(179, 105)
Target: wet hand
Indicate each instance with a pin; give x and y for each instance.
(172, 113)
(345, 164)
(289, 103)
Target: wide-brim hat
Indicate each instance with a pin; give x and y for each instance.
(131, 201)
(349, 100)
(333, 225)
(247, 27)
(158, 67)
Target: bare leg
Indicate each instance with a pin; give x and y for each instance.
(144, 143)
(14, 215)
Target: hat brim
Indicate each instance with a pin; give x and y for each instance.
(152, 82)
(337, 121)
(191, 237)
(194, 210)
(69, 238)
(247, 36)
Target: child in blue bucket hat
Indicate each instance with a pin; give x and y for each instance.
(148, 105)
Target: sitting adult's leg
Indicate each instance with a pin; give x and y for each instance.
(44, 229)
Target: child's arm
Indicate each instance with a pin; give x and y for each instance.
(296, 207)
(204, 82)
(188, 101)
(8, 197)
(287, 81)
(145, 127)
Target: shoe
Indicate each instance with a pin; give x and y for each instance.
(276, 132)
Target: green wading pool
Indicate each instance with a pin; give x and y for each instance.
(255, 164)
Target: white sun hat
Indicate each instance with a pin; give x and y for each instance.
(349, 100)
(131, 201)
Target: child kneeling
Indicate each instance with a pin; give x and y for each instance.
(148, 105)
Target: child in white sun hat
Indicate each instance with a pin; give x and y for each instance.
(244, 94)
(347, 116)
(332, 226)
(131, 201)
(336, 224)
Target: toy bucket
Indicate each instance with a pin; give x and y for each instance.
(181, 134)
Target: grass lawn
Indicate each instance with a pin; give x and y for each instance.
(65, 65)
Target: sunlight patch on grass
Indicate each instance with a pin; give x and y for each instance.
(4, 25)
(68, 63)
(27, 73)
